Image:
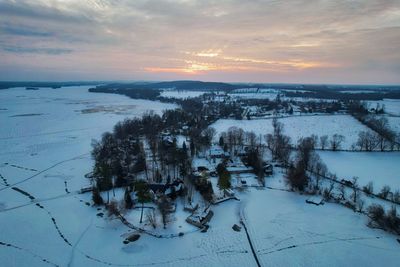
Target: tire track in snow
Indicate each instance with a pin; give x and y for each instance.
(37, 200)
(170, 262)
(53, 220)
(276, 244)
(319, 243)
(20, 167)
(71, 259)
(243, 222)
(66, 187)
(45, 170)
(29, 252)
(5, 182)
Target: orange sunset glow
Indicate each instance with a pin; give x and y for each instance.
(263, 41)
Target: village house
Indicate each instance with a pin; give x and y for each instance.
(216, 152)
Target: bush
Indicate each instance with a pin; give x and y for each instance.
(205, 189)
(297, 178)
(112, 208)
(369, 188)
(376, 212)
(392, 220)
(389, 222)
(384, 192)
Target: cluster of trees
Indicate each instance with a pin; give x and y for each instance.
(135, 93)
(235, 140)
(389, 221)
(306, 161)
(121, 155)
(204, 187)
(324, 142)
(380, 136)
(279, 143)
(116, 160)
(114, 207)
(224, 177)
(385, 192)
(319, 106)
(357, 108)
(337, 95)
(254, 159)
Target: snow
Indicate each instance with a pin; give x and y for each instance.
(48, 155)
(301, 126)
(181, 94)
(290, 232)
(381, 168)
(392, 106)
(394, 123)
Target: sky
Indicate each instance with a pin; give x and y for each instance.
(292, 41)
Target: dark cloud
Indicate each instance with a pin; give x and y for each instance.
(35, 50)
(24, 30)
(38, 11)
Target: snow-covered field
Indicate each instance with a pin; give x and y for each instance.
(301, 126)
(392, 106)
(181, 94)
(394, 123)
(381, 168)
(45, 138)
(289, 232)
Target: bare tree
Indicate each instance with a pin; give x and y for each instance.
(385, 192)
(369, 188)
(336, 141)
(278, 143)
(164, 206)
(355, 189)
(323, 140)
(151, 218)
(112, 208)
(327, 193)
(251, 139)
(342, 192)
(209, 134)
(367, 140)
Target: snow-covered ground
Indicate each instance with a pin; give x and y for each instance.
(392, 106)
(265, 95)
(301, 126)
(381, 168)
(47, 155)
(394, 123)
(181, 94)
(288, 232)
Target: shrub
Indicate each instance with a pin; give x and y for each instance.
(297, 178)
(389, 222)
(112, 208)
(376, 212)
(384, 192)
(369, 188)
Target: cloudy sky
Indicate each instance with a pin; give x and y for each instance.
(307, 41)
